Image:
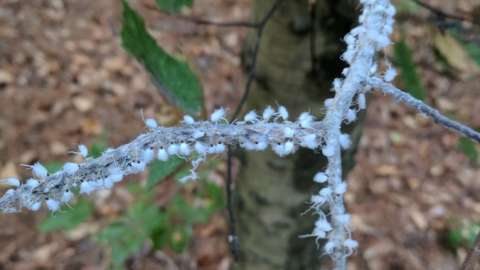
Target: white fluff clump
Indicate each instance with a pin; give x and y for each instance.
(188, 120)
(320, 177)
(39, 170)
(162, 154)
(251, 117)
(390, 74)
(83, 150)
(344, 141)
(67, 196)
(11, 181)
(268, 113)
(217, 115)
(53, 205)
(151, 123)
(70, 168)
(282, 113)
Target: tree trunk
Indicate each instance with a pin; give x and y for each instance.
(272, 191)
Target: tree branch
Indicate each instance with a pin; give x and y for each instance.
(437, 116)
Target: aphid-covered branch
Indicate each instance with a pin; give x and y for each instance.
(191, 138)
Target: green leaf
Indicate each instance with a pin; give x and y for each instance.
(127, 235)
(68, 219)
(173, 77)
(161, 169)
(408, 70)
(54, 166)
(173, 6)
(468, 147)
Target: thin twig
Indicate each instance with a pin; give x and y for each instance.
(232, 234)
(437, 116)
(442, 13)
(473, 255)
(201, 21)
(261, 26)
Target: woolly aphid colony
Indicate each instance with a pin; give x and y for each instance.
(196, 139)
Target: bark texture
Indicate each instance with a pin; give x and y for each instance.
(273, 192)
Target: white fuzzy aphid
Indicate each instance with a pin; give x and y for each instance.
(87, 187)
(53, 205)
(268, 113)
(200, 148)
(362, 101)
(390, 74)
(173, 149)
(217, 115)
(309, 141)
(351, 245)
(83, 150)
(32, 183)
(162, 154)
(350, 116)
(344, 141)
(188, 120)
(305, 119)
(39, 170)
(282, 113)
(341, 188)
(151, 123)
(184, 149)
(251, 117)
(67, 196)
(70, 168)
(11, 181)
(320, 177)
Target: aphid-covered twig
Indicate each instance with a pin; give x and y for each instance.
(200, 138)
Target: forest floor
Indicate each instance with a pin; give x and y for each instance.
(65, 80)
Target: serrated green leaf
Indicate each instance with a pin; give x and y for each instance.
(408, 70)
(468, 147)
(173, 6)
(173, 77)
(68, 219)
(161, 169)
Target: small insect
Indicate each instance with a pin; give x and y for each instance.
(83, 150)
(288, 147)
(116, 175)
(350, 116)
(309, 141)
(32, 183)
(151, 123)
(344, 141)
(328, 150)
(70, 168)
(328, 103)
(341, 188)
(67, 196)
(320, 177)
(217, 115)
(390, 74)
(251, 117)
(86, 187)
(11, 181)
(184, 149)
(162, 154)
(268, 113)
(282, 113)
(53, 205)
(173, 149)
(38, 170)
(361, 101)
(147, 155)
(187, 119)
(351, 245)
(305, 119)
(34, 206)
(200, 148)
